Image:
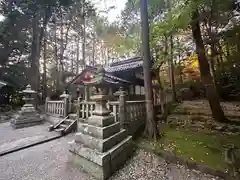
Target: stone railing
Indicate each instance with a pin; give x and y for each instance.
(86, 108)
(56, 108)
(135, 110)
(113, 106)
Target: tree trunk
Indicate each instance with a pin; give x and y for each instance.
(56, 54)
(206, 77)
(93, 53)
(151, 125)
(78, 48)
(61, 43)
(45, 66)
(34, 57)
(161, 91)
(84, 42)
(227, 49)
(212, 61)
(172, 74)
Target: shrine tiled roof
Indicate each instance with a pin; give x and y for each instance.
(125, 65)
(104, 78)
(111, 78)
(130, 64)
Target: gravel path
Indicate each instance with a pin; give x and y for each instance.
(49, 162)
(11, 138)
(8, 134)
(147, 166)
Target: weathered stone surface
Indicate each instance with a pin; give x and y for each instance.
(89, 154)
(100, 165)
(101, 121)
(102, 145)
(23, 125)
(120, 153)
(26, 119)
(99, 172)
(99, 132)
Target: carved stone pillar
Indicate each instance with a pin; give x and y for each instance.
(65, 98)
(123, 119)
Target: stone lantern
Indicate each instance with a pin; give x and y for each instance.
(29, 99)
(28, 115)
(101, 146)
(65, 95)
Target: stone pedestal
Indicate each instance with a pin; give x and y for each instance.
(100, 147)
(26, 118)
(28, 115)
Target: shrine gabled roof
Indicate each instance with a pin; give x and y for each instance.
(107, 80)
(107, 76)
(104, 78)
(128, 64)
(87, 69)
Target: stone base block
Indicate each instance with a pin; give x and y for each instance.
(100, 121)
(102, 145)
(100, 165)
(21, 121)
(23, 125)
(99, 132)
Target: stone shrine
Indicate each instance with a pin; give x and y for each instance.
(28, 115)
(100, 146)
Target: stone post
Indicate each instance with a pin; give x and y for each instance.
(123, 119)
(70, 104)
(86, 93)
(65, 97)
(78, 107)
(66, 107)
(46, 104)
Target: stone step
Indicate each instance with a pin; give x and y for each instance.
(72, 116)
(101, 145)
(99, 132)
(59, 129)
(64, 126)
(68, 121)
